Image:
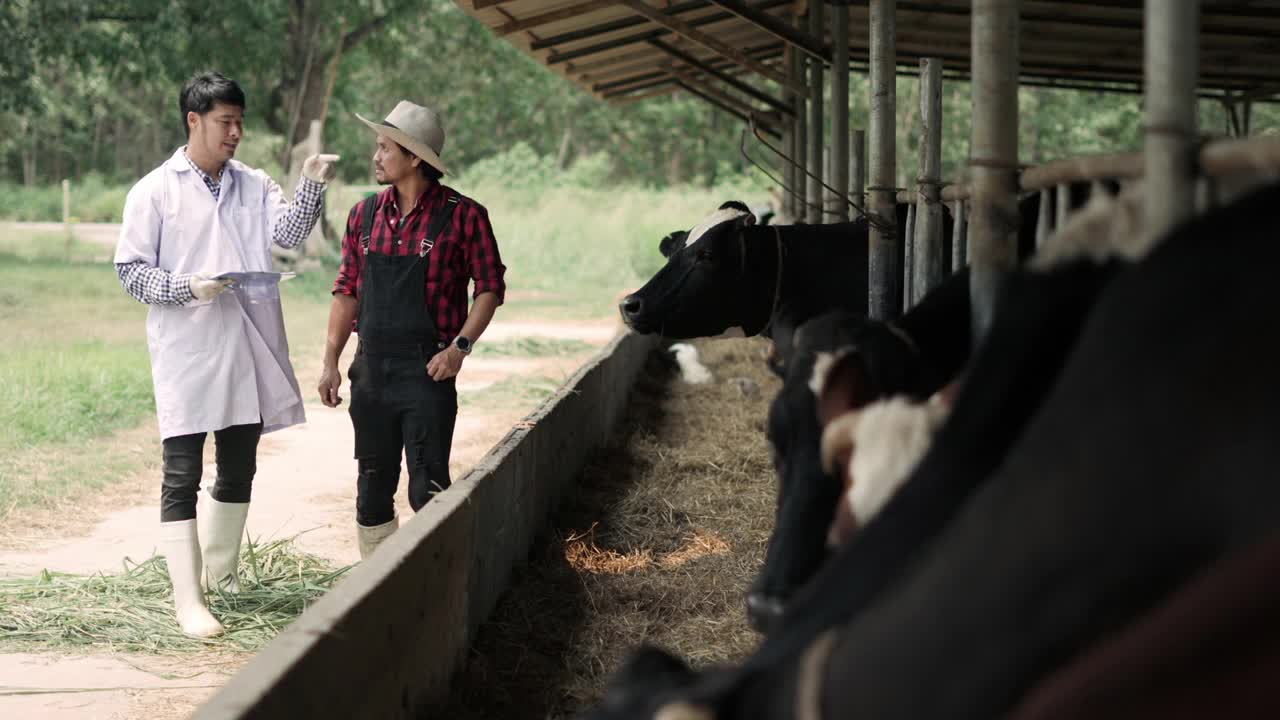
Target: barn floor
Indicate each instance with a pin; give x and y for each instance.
(658, 542)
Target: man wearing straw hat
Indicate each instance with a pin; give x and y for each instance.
(407, 257)
(219, 357)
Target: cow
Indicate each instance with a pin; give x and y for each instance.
(728, 277)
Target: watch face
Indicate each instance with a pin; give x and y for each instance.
(463, 343)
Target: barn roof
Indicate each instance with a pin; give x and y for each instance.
(625, 50)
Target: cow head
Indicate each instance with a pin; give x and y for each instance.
(872, 360)
(707, 288)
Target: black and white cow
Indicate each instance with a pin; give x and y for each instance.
(1113, 437)
(728, 277)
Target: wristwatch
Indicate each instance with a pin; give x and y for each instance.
(463, 344)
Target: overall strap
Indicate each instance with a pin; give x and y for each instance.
(437, 224)
(366, 222)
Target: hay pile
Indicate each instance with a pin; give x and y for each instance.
(658, 542)
(133, 610)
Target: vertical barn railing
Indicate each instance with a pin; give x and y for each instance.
(1171, 72)
(884, 283)
(838, 209)
(928, 266)
(994, 160)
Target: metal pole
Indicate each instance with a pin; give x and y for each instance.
(909, 258)
(927, 239)
(800, 153)
(858, 186)
(993, 232)
(1171, 72)
(839, 111)
(885, 302)
(816, 191)
(788, 135)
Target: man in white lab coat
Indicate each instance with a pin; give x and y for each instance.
(219, 357)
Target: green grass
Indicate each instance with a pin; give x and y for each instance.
(529, 390)
(533, 347)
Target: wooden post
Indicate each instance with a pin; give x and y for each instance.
(1044, 218)
(885, 298)
(1170, 75)
(858, 183)
(993, 235)
(800, 153)
(959, 238)
(910, 257)
(816, 192)
(927, 239)
(837, 207)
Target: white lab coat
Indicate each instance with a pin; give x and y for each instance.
(225, 361)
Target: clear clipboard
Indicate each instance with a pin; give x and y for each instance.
(257, 286)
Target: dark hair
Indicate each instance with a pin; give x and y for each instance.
(203, 91)
(424, 168)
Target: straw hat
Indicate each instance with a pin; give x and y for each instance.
(415, 128)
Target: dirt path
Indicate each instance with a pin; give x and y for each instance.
(304, 485)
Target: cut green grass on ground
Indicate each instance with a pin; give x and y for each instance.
(133, 610)
(511, 391)
(532, 347)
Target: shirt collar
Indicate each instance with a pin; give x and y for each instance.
(387, 200)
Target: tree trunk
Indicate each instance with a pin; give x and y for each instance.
(566, 141)
(674, 169)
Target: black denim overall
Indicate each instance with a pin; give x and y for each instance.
(395, 405)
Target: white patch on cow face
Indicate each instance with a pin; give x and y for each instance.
(890, 438)
(822, 364)
(729, 333)
(1106, 227)
(716, 218)
(691, 371)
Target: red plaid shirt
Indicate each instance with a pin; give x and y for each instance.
(465, 250)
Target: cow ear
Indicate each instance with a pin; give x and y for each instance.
(672, 242)
(841, 383)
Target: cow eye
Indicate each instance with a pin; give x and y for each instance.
(703, 255)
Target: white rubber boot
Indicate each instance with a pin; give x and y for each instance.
(372, 537)
(220, 543)
(180, 544)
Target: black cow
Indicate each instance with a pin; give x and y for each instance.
(1113, 436)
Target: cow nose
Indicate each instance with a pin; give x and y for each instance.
(631, 307)
(763, 610)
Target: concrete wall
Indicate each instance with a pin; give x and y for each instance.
(387, 639)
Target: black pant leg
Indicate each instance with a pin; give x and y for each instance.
(183, 465)
(236, 450)
(428, 433)
(376, 422)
